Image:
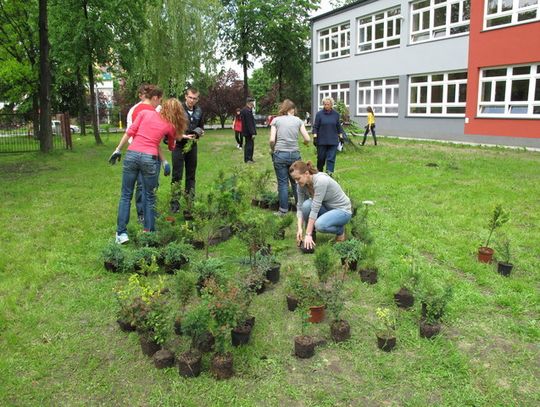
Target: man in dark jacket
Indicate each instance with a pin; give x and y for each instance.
(185, 153)
(248, 130)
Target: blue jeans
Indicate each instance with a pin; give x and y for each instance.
(137, 163)
(326, 154)
(139, 191)
(282, 161)
(328, 220)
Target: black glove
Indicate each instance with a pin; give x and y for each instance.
(315, 141)
(197, 132)
(116, 156)
(166, 168)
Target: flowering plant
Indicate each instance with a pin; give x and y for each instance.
(386, 322)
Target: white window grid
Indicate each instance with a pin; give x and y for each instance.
(496, 92)
(499, 13)
(381, 94)
(434, 19)
(438, 94)
(379, 31)
(337, 91)
(334, 42)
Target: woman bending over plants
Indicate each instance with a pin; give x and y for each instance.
(322, 204)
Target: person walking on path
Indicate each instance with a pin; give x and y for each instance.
(185, 153)
(327, 134)
(237, 127)
(249, 130)
(284, 134)
(322, 204)
(370, 126)
(148, 130)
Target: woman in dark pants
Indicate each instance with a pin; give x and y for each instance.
(370, 125)
(327, 133)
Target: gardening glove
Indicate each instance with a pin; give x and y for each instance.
(116, 156)
(166, 168)
(315, 141)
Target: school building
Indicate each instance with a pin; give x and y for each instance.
(457, 70)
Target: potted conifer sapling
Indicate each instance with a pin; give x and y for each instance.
(504, 258)
(498, 218)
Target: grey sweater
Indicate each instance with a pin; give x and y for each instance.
(327, 193)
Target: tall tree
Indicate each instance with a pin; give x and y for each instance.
(240, 31)
(45, 133)
(223, 97)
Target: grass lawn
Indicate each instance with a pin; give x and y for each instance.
(60, 345)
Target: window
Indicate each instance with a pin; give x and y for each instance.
(509, 12)
(512, 91)
(432, 19)
(334, 42)
(337, 91)
(441, 94)
(379, 31)
(381, 94)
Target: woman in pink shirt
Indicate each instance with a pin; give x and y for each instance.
(148, 129)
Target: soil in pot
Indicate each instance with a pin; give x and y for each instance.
(340, 331)
(272, 274)
(316, 314)
(204, 343)
(304, 346)
(190, 363)
(429, 330)
(222, 366)
(241, 334)
(251, 321)
(113, 268)
(504, 268)
(163, 358)
(368, 276)
(305, 250)
(148, 345)
(386, 343)
(485, 254)
(292, 303)
(125, 326)
(404, 298)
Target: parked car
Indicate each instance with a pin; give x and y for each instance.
(56, 127)
(260, 119)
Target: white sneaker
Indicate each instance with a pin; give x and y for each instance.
(122, 238)
(238, 146)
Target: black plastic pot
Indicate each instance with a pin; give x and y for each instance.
(272, 274)
(504, 268)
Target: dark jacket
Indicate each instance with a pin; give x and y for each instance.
(248, 122)
(194, 120)
(327, 127)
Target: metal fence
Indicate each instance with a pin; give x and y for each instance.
(17, 135)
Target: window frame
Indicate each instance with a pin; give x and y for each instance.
(433, 32)
(513, 14)
(341, 29)
(507, 103)
(370, 28)
(342, 91)
(384, 87)
(429, 84)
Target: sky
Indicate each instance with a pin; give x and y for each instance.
(323, 8)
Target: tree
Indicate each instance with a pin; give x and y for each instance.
(45, 132)
(223, 97)
(240, 31)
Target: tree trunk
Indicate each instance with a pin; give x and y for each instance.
(93, 107)
(82, 103)
(35, 115)
(245, 68)
(45, 133)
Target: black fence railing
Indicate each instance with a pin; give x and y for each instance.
(17, 135)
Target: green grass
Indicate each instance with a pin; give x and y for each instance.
(61, 346)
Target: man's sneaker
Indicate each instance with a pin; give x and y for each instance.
(175, 206)
(122, 238)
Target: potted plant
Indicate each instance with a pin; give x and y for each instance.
(258, 185)
(313, 298)
(434, 298)
(131, 306)
(241, 333)
(269, 266)
(147, 239)
(340, 329)
(386, 332)
(254, 229)
(255, 280)
(176, 255)
(324, 262)
(183, 287)
(404, 298)
(145, 256)
(304, 344)
(195, 325)
(211, 268)
(294, 287)
(224, 304)
(350, 252)
(113, 257)
(283, 223)
(269, 200)
(368, 269)
(498, 218)
(504, 264)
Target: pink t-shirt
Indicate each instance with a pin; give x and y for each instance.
(148, 130)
